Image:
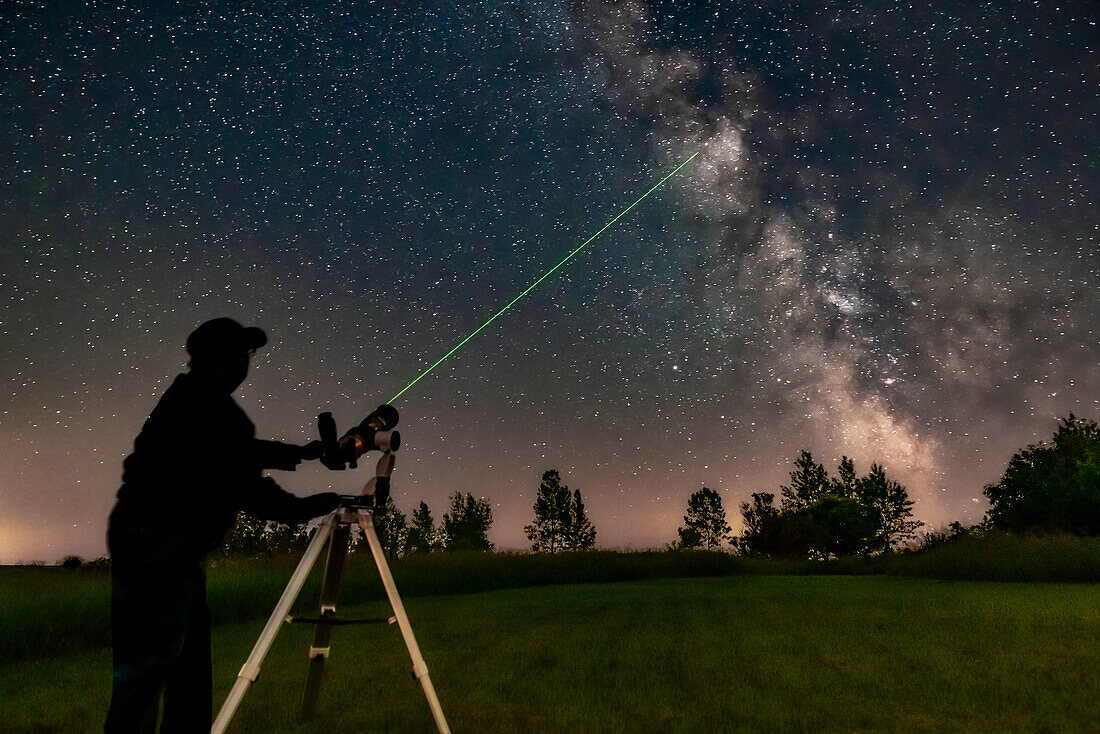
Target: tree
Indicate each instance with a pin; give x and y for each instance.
(1053, 487)
(392, 529)
(830, 526)
(761, 520)
(706, 517)
(548, 532)
(890, 508)
(687, 539)
(841, 526)
(422, 536)
(282, 538)
(253, 536)
(846, 484)
(580, 534)
(466, 526)
(824, 517)
(809, 480)
(245, 538)
(71, 563)
(953, 533)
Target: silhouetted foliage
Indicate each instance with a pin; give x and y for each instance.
(71, 563)
(705, 522)
(954, 531)
(846, 484)
(246, 537)
(890, 509)
(841, 526)
(466, 525)
(828, 526)
(823, 517)
(422, 536)
(809, 480)
(392, 529)
(761, 520)
(561, 522)
(687, 539)
(252, 536)
(547, 532)
(1053, 487)
(580, 534)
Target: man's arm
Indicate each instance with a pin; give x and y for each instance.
(284, 456)
(264, 498)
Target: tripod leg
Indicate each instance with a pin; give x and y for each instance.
(330, 590)
(420, 668)
(251, 668)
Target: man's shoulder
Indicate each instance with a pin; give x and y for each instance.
(189, 396)
(185, 391)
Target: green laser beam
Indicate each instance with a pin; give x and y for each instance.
(545, 275)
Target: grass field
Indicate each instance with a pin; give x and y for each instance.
(746, 652)
(50, 611)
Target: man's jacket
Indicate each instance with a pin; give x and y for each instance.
(197, 463)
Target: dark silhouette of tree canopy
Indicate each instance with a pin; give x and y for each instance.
(705, 522)
(580, 534)
(846, 483)
(687, 539)
(252, 536)
(422, 536)
(466, 525)
(761, 520)
(954, 532)
(561, 522)
(890, 508)
(839, 526)
(824, 517)
(392, 529)
(809, 480)
(246, 537)
(547, 532)
(1053, 487)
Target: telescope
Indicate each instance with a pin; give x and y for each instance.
(375, 432)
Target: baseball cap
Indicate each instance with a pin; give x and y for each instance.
(224, 337)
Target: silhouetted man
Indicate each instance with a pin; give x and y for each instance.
(196, 464)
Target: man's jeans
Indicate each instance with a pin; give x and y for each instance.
(160, 632)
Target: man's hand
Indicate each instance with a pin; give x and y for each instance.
(311, 451)
(318, 504)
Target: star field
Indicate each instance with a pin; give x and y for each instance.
(887, 247)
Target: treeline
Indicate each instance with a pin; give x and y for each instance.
(465, 526)
(560, 524)
(819, 516)
(1047, 488)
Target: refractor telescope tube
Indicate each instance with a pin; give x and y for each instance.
(373, 433)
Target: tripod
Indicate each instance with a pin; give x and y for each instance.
(336, 530)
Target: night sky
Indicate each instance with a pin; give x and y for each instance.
(887, 247)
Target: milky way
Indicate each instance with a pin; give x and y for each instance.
(886, 249)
